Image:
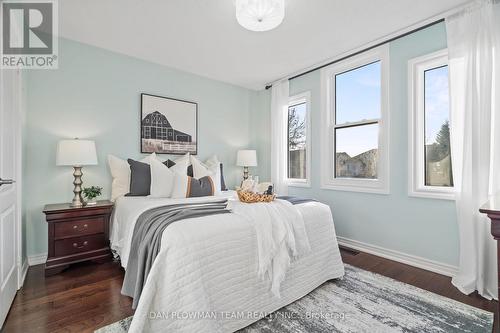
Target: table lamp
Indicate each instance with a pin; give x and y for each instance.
(246, 158)
(76, 153)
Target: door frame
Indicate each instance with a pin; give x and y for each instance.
(18, 121)
(13, 79)
(19, 118)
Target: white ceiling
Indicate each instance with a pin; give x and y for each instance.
(203, 37)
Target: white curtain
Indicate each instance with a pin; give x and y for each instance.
(279, 106)
(474, 67)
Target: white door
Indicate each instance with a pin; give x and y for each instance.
(9, 136)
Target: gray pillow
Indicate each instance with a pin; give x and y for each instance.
(222, 181)
(169, 163)
(200, 187)
(140, 178)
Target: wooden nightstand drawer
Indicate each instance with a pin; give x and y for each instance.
(77, 234)
(64, 247)
(79, 227)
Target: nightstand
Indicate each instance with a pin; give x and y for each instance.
(77, 234)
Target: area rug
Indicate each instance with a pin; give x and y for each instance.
(365, 302)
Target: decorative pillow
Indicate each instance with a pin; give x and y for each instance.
(223, 186)
(170, 163)
(120, 172)
(201, 170)
(189, 187)
(140, 178)
(215, 161)
(211, 166)
(162, 179)
(180, 165)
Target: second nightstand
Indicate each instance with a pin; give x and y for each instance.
(77, 234)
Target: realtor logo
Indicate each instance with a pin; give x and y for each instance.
(29, 34)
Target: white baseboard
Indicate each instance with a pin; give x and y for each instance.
(427, 264)
(37, 259)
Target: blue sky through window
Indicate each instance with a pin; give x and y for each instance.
(358, 94)
(437, 102)
(357, 98)
(356, 140)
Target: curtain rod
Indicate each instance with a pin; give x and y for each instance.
(364, 50)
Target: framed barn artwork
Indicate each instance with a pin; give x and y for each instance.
(168, 125)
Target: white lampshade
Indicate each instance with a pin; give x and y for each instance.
(260, 15)
(76, 152)
(246, 158)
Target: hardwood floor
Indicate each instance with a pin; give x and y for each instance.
(84, 297)
(87, 296)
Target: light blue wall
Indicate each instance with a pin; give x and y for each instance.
(260, 132)
(96, 94)
(416, 226)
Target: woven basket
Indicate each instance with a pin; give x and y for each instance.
(251, 197)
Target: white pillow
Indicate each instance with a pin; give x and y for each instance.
(162, 179)
(120, 172)
(189, 187)
(180, 185)
(211, 168)
(149, 158)
(181, 164)
(214, 160)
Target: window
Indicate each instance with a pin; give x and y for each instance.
(355, 146)
(429, 113)
(298, 142)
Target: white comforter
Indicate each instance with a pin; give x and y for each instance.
(206, 276)
(280, 233)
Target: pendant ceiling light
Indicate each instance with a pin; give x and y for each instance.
(260, 15)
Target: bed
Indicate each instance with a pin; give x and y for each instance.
(204, 277)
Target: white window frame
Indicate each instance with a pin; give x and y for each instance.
(416, 127)
(304, 97)
(380, 185)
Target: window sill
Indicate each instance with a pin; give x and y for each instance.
(350, 188)
(429, 194)
(303, 185)
(298, 182)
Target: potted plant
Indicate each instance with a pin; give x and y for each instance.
(91, 193)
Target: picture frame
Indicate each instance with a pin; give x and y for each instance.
(168, 125)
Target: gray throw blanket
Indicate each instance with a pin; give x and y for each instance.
(146, 239)
(295, 200)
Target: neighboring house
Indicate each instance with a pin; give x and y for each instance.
(297, 163)
(363, 165)
(439, 173)
(156, 126)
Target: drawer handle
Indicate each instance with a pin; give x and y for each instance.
(75, 245)
(85, 226)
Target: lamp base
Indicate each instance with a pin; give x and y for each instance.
(77, 198)
(245, 173)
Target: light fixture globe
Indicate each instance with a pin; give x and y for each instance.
(260, 15)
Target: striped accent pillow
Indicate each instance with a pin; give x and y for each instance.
(190, 187)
